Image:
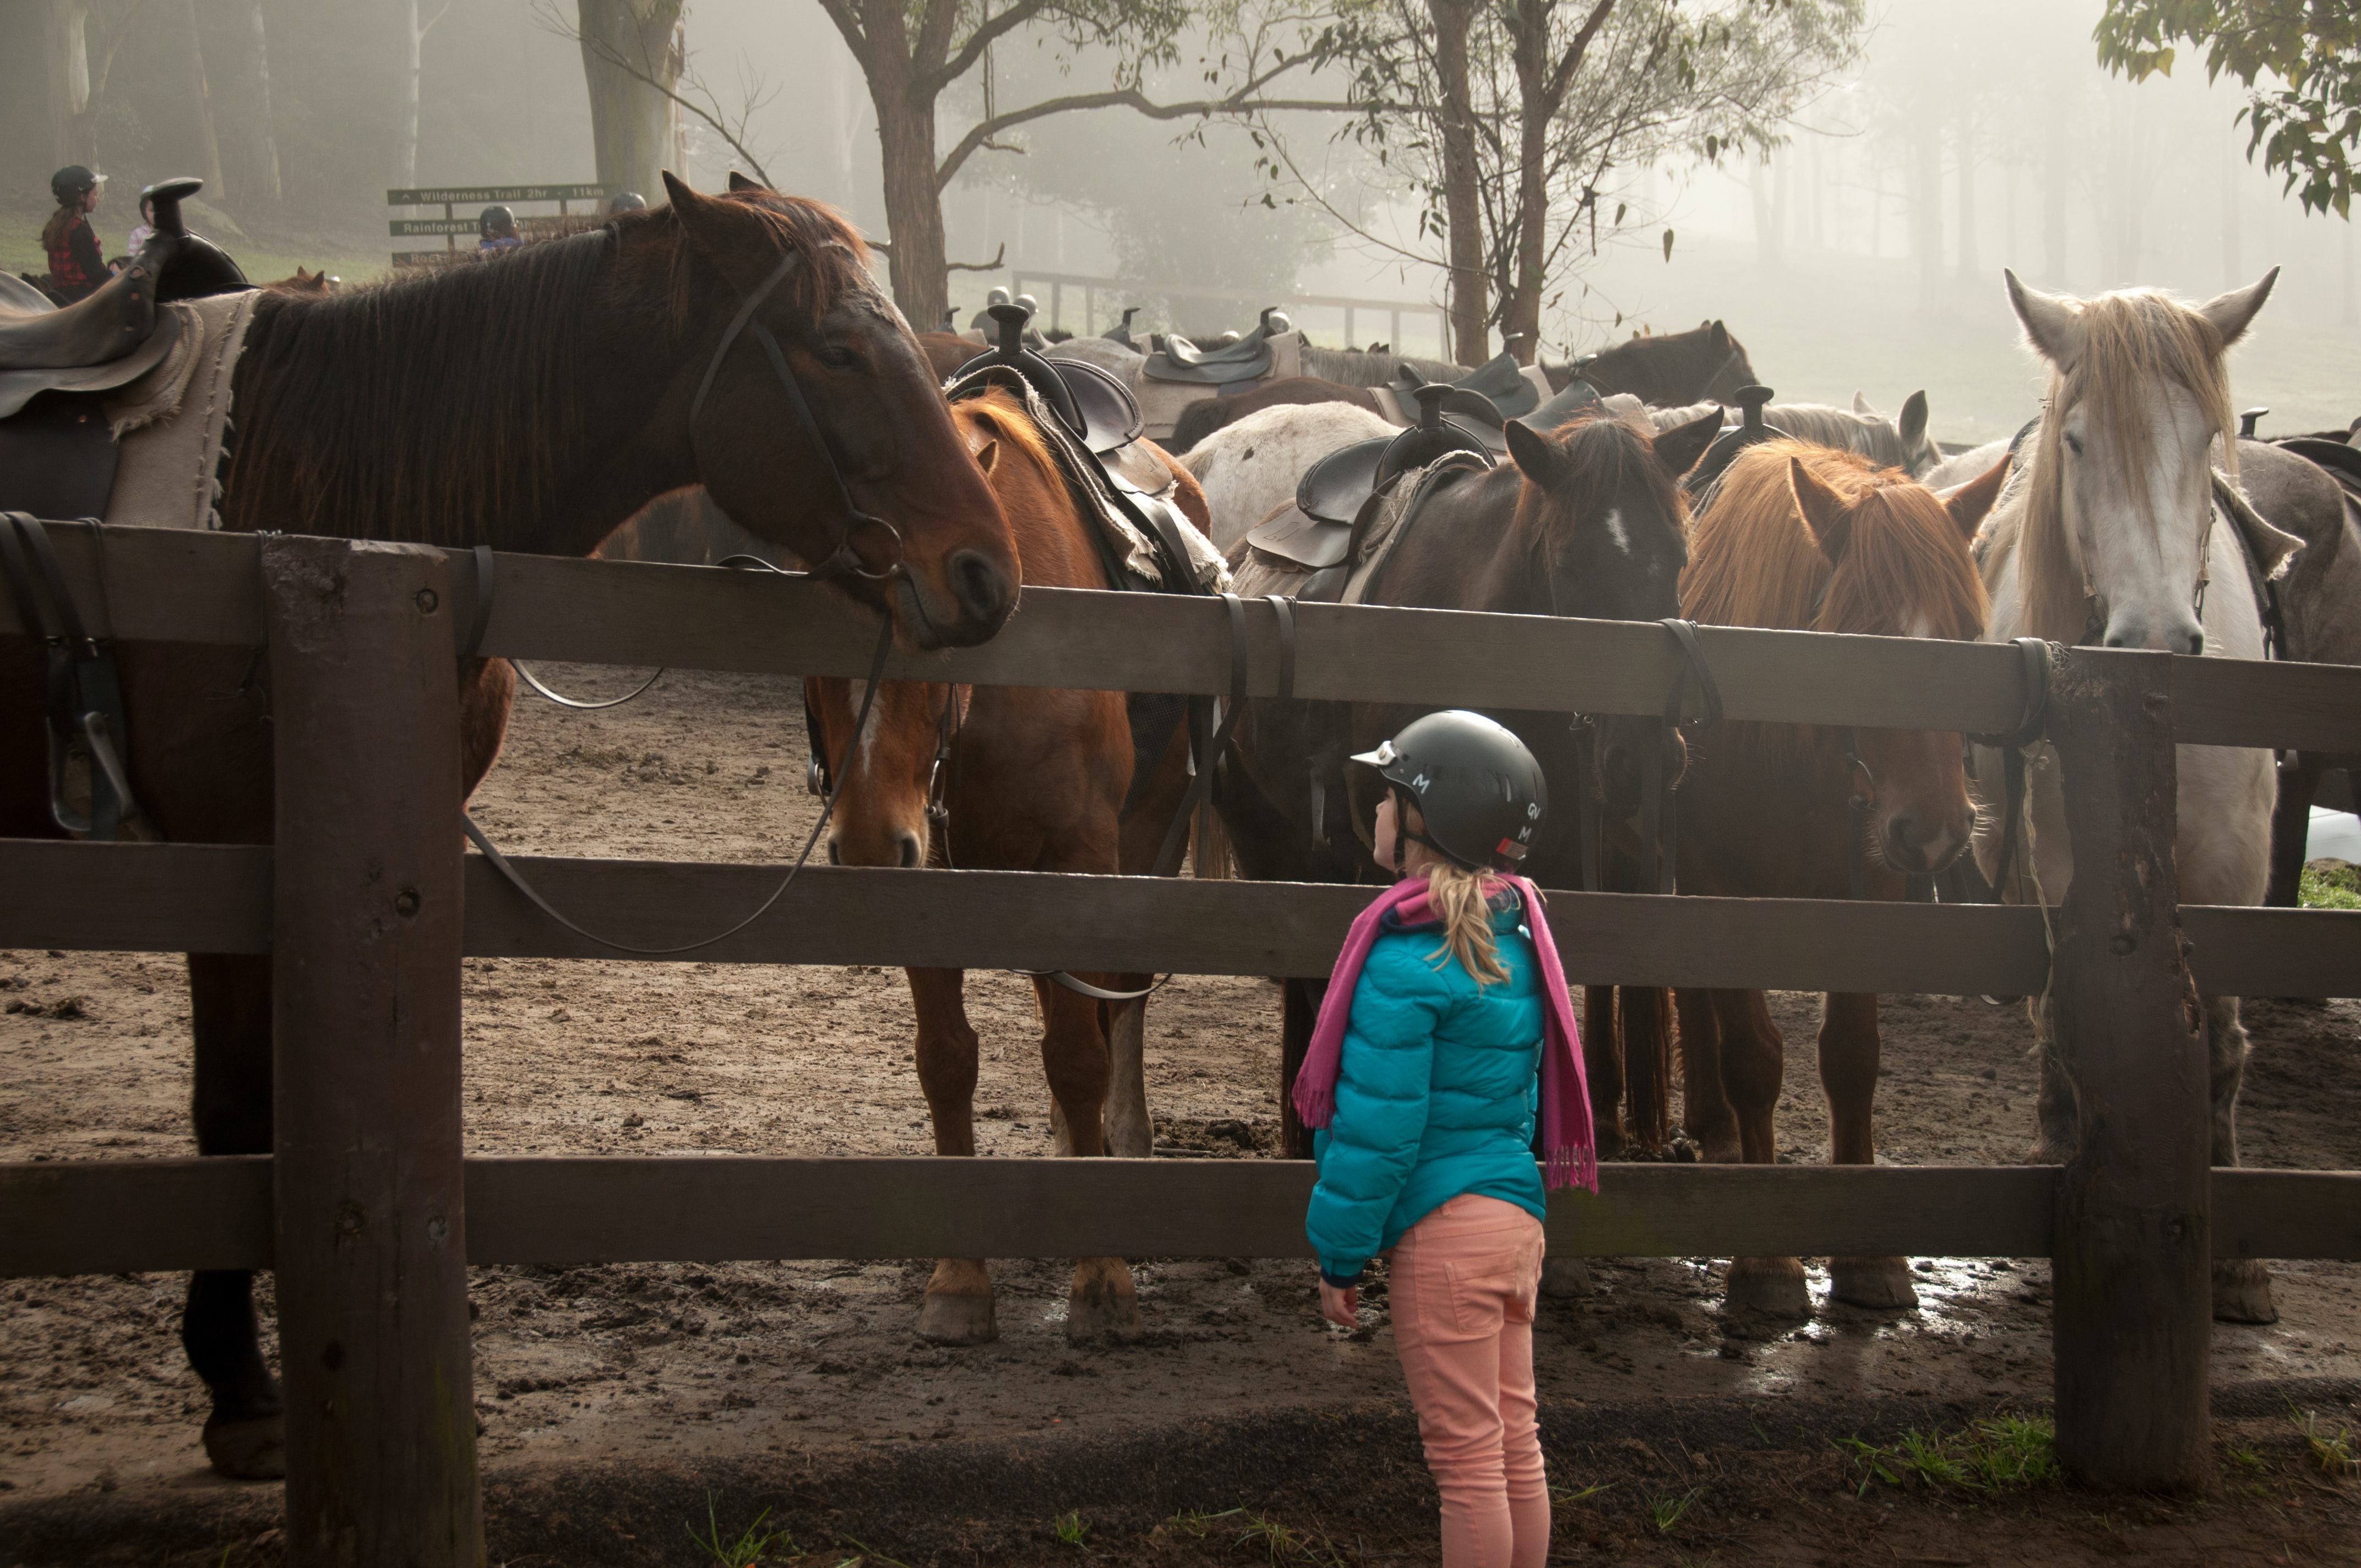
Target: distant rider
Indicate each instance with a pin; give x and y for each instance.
(497, 230)
(77, 266)
(627, 201)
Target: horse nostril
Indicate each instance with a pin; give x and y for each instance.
(979, 585)
(2196, 642)
(834, 859)
(1899, 830)
(911, 853)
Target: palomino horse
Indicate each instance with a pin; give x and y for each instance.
(1585, 521)
(1805, 538)
(1011, 778)
(532, 403)
(2109, 536)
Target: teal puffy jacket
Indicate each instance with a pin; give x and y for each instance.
(1435, 1094)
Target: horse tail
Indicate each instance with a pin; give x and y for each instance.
(1209, 848)
(1645, 1017)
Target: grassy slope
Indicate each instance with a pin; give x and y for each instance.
(1828, 325)
(21, 251)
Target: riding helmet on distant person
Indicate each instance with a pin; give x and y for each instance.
(1479, 790)
(627, 201)
(496, 230)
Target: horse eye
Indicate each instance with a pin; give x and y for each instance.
(2074, 444)
(838, 358)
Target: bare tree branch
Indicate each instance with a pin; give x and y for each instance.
(987, 32)
(709, 111)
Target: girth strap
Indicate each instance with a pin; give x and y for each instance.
(2034, 658)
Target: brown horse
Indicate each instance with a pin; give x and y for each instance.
(1023, 778)
(1667, 369)
(1808, 539)
(532, 402)
(1204, 417)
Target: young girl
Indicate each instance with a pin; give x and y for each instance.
(77, 267)
(1447, 1005)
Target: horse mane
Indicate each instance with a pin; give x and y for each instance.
(440, 406)
(1355, 367)
(1604, 453)
(1752, 562)
(1824, 424)
(2133, 341)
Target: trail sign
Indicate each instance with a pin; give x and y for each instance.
(476, 195)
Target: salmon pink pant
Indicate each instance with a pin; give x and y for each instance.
(1463, 1285)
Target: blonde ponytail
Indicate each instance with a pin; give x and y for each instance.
(1462, 899)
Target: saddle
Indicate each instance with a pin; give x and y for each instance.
(1578, 395)
(1502, 381)
(1097, 409)
(1320, 531)
(1733, 440)
(1247, 359)
(117, 335)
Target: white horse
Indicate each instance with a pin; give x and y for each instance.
(2098, 540)
(1249, 469)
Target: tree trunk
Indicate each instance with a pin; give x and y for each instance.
(208, 148)
(65, 60)
(2053, 165)
(630, 120)
(1926, 211)
(405, 145)
(1768, 251)
(265, 134)
(1463, 211)
(1966, 148)
(919, 267)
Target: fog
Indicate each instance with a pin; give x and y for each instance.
(1865, 253)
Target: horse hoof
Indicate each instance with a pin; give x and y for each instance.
(1721, 1151)
(948, 1319)
(2242, 1293)
(1772, 1287)
(1882, 1284)
(1565, 1276)
(252, 1450)
(1099, 1314)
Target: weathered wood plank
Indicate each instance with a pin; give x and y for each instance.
(133, 1216)
(2274, 952)
(2132, 1313)
(835, 915)
(371, 1226)
(2286, 1213)
(2247, 702)
(135, 898)
(158, 585)
(117, 1216)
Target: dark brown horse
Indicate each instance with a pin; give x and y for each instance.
(1805, 538)
(1202, 417)
(1031, 779)
(532, 402)
(1668, 370)
(1585, 521)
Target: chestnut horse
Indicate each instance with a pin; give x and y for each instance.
(1806, 538)
(1031, 779)
(532, 402)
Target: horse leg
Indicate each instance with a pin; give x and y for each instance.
(1103, 1303)
(1602, 1065)
(958, 1309)
(1130, 1130)
(1706, 1112)
(1299, 1010)
(1849, 1051)
(2292, 827)
(1753, 1066)
(2242, 1285)
(229, 1017)
(2056, 1109)
(1646, 1014)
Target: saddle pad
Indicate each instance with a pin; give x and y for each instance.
(170, 423)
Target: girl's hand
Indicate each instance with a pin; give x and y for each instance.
(1340, 1304)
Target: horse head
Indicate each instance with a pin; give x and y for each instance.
(803, 379)
(1601, 516)
(2120, 504)
(1669, 369)
(1876, 555)
(884, 784)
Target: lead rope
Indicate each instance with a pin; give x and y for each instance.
(1658, 811)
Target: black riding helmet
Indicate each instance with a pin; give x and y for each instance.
(495, 223)
(72, 182)
(627, 201)
(1479, 790)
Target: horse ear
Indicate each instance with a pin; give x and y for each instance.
(1860, 406)
(1720, 334)
(1679, 448)
(1912, 424)
(739, 183)
(1538, 457)
(1824, 510)
(987, 454)
(2232, 313)
(2053, 323)
(1970, 501)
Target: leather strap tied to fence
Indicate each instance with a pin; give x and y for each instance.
(80, 692)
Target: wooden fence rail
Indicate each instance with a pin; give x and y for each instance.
(368, 1185)
(109, 1216)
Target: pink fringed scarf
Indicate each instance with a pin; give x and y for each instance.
(1569, 1151)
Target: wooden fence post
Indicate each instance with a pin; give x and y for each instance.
(2133, 1321)
(371, 1242)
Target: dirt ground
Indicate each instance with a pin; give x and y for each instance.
(812, 1365)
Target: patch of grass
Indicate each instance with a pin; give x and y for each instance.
(1579, 1494)
(752, 1545)
(1667, 1512)
(2007, 1453)
(2330, 885)
(1070, 1528)
(2246, 1458)
(2331, 1452)
(868, 1553)
(1283, 1543)
(1197, 1521)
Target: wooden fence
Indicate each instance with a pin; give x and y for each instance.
(369, 1213)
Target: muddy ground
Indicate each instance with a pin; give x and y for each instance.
(813, 1366)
